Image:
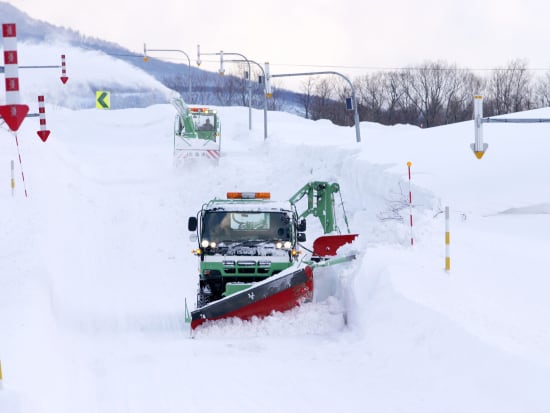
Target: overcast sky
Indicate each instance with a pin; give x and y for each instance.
(349, 36)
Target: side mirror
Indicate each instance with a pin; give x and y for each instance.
(301, 225)
(192, 224)
(301, 236)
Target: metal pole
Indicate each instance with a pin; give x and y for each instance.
(249, 87)
(265, 92)
(265, 116)
(190, 88)
(356, 114)
(249, 84)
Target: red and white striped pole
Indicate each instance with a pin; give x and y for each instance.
(21, 165)
(410, 202)
(64, 77)
(43, 132)
(13, 112)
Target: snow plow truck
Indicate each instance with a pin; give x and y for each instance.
(197, 132)
(250, 253)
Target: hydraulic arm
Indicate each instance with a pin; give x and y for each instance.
(320, 203)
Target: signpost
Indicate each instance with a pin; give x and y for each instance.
(479, 147)
(350, 105)
(13, 112)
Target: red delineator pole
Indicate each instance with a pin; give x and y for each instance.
(13, 112)
(64, 77)
(21, 165)
(43, 132)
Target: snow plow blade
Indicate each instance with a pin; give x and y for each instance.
(280, 292)
(328, 245)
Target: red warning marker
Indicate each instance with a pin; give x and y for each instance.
(14, 115)
(43, 132)
(13, 112)
(64, 77)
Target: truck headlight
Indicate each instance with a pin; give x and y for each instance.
(205, 244)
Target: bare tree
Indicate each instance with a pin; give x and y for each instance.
(430, 85)
(372, 97)
(509, 89)
(431, 94)
(542, 90)
(240, 76)
(409, 103)
(306, 97)
(324, 91)
(226, 89)
(393, 92)
(463, 85)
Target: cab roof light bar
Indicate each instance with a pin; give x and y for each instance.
(248, 195)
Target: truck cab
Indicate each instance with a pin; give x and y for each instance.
(243, 239)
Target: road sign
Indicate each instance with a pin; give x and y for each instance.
(13, 112)
(102, 100)
(43, 133)
(64, 76)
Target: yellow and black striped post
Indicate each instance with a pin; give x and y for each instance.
(447, 241)
(12, 179)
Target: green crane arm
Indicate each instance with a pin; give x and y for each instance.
(185, 118)
(320, 202)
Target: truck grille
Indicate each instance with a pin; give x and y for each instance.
(247, 267)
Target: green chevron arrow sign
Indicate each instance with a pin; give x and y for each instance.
(102, 100)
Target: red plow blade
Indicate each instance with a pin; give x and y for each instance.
(280, 292)
(328, 245)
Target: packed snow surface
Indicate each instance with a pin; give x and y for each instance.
(96, 265)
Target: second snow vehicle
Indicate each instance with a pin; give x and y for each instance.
(197, 132)
(251, 260)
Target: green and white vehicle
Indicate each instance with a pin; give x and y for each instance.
(197, 132)
(250, 257)
(243, 239)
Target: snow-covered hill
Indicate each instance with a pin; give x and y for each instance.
(95, 265)
(88, 72)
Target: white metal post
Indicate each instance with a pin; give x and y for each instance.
(478, 146)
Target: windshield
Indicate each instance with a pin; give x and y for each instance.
(223, 226)
(205, 122)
